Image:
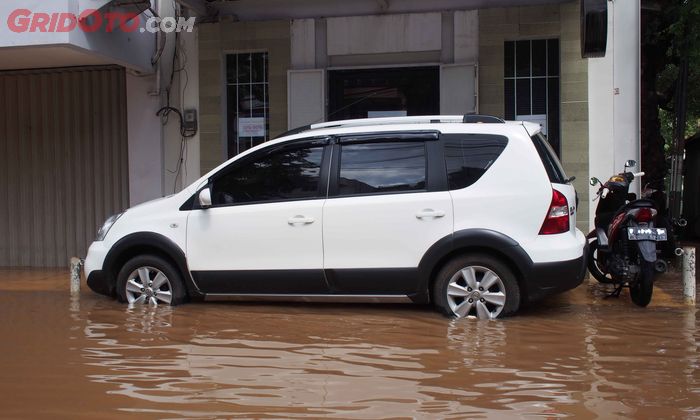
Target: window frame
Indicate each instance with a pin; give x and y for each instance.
(323, 142)
(227, 85)
(553, 76)
(434, 169)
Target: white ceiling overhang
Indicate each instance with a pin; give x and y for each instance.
(245, 10)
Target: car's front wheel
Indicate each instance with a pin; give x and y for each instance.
(476, 285)
(150, 280)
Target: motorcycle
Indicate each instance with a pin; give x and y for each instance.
(623, 247)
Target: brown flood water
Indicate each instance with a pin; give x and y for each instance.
(86, 356)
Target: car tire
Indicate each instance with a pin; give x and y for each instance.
(151, 280)
(465, 286)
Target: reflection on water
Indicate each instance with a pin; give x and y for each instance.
(576, 355)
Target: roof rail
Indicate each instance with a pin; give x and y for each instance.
(479, 118)
(293, 131)
(422, 119)
(425, 119)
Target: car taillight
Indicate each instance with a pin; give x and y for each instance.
(644, 215)
(557, 220)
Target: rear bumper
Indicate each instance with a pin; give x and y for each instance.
(545, 279)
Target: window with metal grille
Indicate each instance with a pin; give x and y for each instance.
(248, 101)
(531, 85)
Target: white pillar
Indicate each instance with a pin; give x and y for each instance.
(614, 97)
(190, 42)
(145, 145)
(154, 149)
(184, 94)
(689, 274)
(76, 264)
(303, 44)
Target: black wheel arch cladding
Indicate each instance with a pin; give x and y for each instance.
(144, 243)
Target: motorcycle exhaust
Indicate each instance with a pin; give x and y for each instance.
(679, 252)
(660, 266)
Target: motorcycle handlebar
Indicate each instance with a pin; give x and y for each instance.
(604, 191)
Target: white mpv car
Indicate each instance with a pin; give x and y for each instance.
(470, 213)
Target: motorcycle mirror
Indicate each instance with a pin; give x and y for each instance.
(594, 181)
(630, 163)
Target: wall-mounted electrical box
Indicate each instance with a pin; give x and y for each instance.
(189, 122)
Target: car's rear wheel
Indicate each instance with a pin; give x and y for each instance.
(478, 286)
(150, 280)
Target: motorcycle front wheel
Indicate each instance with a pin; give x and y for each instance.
(593, 265)
(641, 290)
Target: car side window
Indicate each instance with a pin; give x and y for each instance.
(549, 159)
(382, 167)
(469, 156)
(291, 173)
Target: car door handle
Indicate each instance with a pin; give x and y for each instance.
(430, 213)
(300, 220)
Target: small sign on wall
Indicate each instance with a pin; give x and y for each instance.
(251, 127)
(540, 119)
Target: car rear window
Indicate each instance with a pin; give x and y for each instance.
(469, 156)
(549, 159)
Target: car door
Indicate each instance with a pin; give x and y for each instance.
(263, 232)
(387, 206)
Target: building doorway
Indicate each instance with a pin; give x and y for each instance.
(383, 92)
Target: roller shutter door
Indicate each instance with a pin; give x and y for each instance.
(63, 161)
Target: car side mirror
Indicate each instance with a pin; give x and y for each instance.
(205, 198)
(630, 164)
(594, 181)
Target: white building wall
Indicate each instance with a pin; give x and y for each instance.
(161, 162)
(131, 50)
(384, 34)
(466, 37)
(458, 81)
(154, 148)
(613, 94)
(450, 39)
(303, 44)
(145, 145)
(9, 38)
(190, 43)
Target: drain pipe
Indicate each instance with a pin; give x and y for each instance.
(76, 265)
(689, 274)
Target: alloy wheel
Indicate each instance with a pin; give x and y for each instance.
(148, 285)
(476, 291)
